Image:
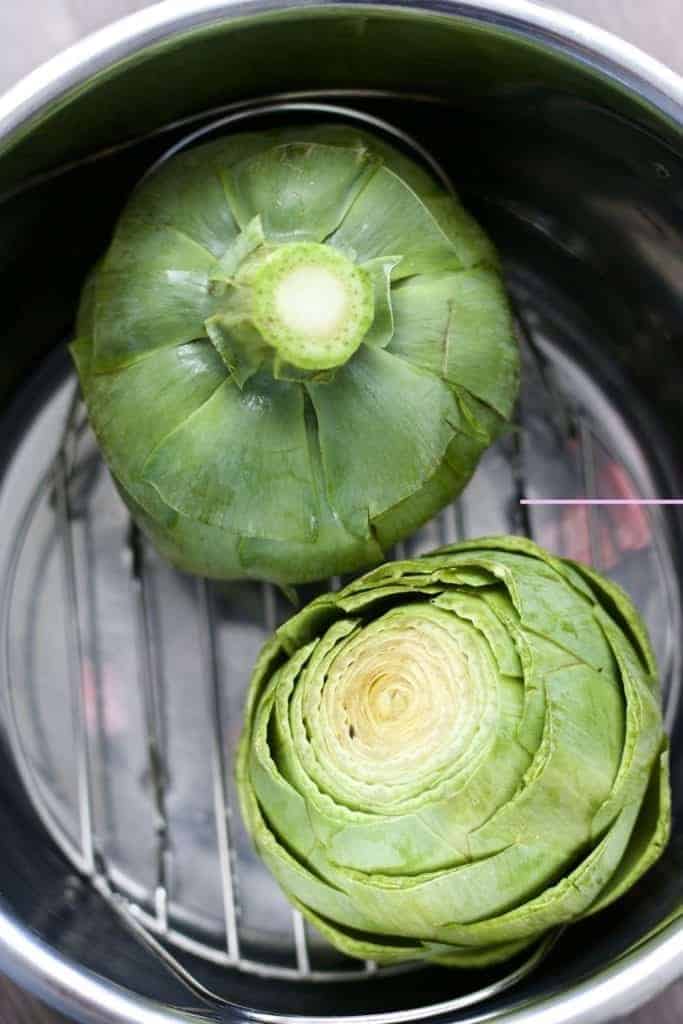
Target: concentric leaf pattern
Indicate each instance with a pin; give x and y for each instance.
(235, 460)
(450, 756)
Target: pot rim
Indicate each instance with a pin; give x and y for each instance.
(74, 990)
(94, 53)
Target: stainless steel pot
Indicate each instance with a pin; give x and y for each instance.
(127, 892)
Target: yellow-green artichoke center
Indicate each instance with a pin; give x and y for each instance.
(401, 695)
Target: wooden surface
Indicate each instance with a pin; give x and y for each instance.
(31, 31)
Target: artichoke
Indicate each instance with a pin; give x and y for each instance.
(451, 756)
(293, 353)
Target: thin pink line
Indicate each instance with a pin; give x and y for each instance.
(601, 501)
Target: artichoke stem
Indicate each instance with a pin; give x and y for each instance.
(312, 305)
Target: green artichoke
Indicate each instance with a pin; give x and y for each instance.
(451, 756)
(293, 353)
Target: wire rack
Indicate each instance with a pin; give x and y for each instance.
(124, 680)
(65, 527)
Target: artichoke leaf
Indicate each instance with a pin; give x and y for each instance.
(186, 194)
(575, 766)
(239, 345)
(336, 548)
(626, 615)
(138, 246)
(294, 876)
(568, 900)
(649, 838)
(472, 245)
(139, 313)
(643, 737)
(302, 191)
(545, 604)
(494, 898)
(265, 439)
(182, 541)
(377, 396)
(462, 454)
(458, 326)
(382, 328)
(389, 219)
(470, 242)
(243, 246)
(366, 946)
(134, 410)
(476, 611)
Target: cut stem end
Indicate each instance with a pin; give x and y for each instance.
(312, 305)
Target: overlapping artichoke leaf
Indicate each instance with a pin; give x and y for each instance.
(452, 756)
(222, 484)
(302, 191)
(378, 397)
(137, 314)
(336, 549)
(471, 244)
(382, 329)
(239, 345)
(457, 326)
(186, 195)
(243, 246)
(389, 219)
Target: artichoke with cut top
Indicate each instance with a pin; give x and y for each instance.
(293, 353)
(452, 756)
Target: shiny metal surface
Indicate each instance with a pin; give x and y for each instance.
(586, 92)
